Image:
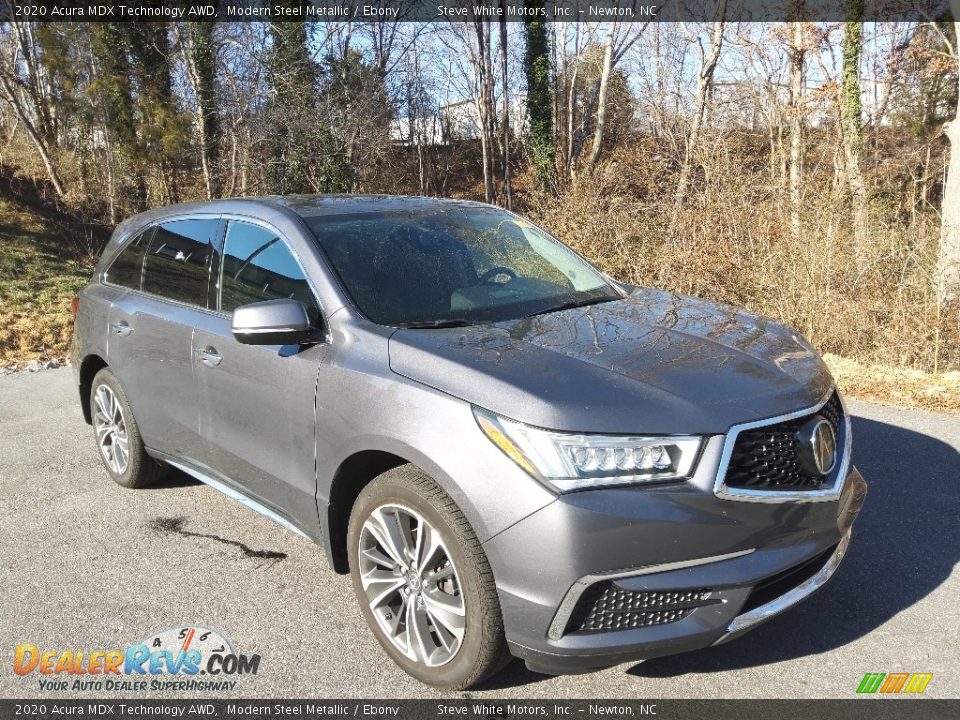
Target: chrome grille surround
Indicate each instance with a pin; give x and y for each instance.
(827, 491)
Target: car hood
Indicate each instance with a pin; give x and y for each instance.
(650, 363)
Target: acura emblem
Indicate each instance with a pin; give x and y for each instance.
(818, 446)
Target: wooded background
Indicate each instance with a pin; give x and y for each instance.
(800, 169)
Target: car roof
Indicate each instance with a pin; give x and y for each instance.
(274, 208)
(317, 205)
(306, 206)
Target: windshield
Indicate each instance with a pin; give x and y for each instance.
(454, 265)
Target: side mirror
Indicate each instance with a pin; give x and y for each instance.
(272, 322)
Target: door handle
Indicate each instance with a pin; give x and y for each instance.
(122, 328)
(209, 356)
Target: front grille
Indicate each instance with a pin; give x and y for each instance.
(766, 458)
(605, 606)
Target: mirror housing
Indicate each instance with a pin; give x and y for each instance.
(272, 322)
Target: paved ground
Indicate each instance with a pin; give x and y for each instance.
(81, 567)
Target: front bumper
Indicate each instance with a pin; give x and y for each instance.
(752, 560)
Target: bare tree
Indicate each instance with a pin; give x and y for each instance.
(948, 261)
(620, 38)
(708, 65)
(24, 93)
(797, 52)
(602, 90)
(483, 68)
(199, 51)
(852, 121)
(507, 199)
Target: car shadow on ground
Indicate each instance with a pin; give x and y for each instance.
(174, 478)
(904, 547)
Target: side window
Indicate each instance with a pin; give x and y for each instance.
(257, 265)
(176, 265)
(128, 265)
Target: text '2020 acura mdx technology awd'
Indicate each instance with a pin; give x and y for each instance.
(509, 452)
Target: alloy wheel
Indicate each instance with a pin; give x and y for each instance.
(111, 430)
(411, 585)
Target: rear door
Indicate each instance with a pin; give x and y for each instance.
(257, 401)
(166, 273)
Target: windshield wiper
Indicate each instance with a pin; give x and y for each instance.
(572, 304)
(440, 323)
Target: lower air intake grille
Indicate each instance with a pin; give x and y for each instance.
(604, 607)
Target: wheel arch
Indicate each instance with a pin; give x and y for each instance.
(89, 367)
(359, 469)
(351, 477)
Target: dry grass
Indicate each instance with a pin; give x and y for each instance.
(903, 387)
(731, 243)
(39, 276)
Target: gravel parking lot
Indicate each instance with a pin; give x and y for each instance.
(87, 565)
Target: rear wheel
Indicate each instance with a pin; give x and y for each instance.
(118, 438)
(423, 581)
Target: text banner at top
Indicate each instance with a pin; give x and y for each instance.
(630, 11)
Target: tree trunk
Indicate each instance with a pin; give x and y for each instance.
(200, 54)
(796, 124)
(852, 122)
(571, 91)
(586, 125)
(602, 97)
(485, 108)
(9, 93)
(507, 199)
(948, 261)
(703, 92)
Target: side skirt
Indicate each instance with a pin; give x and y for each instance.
(233, 493)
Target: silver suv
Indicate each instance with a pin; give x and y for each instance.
(509, 452)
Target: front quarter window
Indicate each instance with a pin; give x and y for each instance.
(257, 265)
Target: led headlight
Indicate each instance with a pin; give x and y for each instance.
(573, 462)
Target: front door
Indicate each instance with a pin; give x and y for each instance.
(257, 401)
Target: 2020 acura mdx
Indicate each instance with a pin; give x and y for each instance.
(508, 451)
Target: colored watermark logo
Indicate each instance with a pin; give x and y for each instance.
(894, 683)
(171, 659)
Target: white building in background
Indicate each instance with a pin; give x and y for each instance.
(456, 121)
(423, 131)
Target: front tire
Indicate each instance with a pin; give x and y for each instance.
(118, 438)
(423, 581)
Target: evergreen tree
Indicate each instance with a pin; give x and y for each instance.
(540, 102)
(114, 96)
(292, 74)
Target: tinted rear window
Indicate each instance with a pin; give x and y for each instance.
(178, 260)
(126, 269)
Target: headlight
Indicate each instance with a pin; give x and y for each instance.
(575, 462)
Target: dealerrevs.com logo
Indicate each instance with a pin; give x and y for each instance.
(187, 658)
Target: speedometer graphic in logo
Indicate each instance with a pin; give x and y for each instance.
(190, 637)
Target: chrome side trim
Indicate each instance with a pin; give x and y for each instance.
(262, 331)
(238, 496)
(722, 491)
(790, 598)
(569, 601)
